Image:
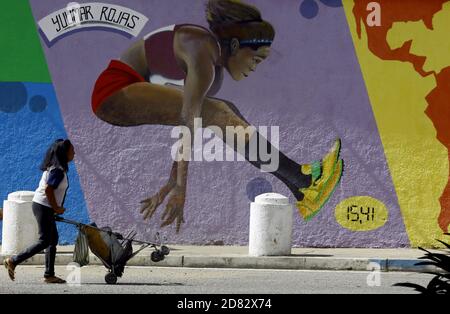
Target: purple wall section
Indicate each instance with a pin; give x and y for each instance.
(311, 86)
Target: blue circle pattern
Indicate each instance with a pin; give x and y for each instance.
(13, 96)
(309, 8)
(38, 103)
(258, 186)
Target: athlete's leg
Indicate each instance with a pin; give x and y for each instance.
(145, 103)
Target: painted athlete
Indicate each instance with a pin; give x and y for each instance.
(170, 77)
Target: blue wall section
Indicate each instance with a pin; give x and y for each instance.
(30, 122)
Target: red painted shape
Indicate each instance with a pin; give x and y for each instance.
(438, 109)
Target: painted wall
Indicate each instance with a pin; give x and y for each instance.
(29, 113)
(329, 75)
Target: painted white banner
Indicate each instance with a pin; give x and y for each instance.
(94, 14)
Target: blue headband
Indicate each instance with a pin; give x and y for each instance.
(255, 41)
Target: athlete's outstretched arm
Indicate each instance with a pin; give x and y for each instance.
(199, 57)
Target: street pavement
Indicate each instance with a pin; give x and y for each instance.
(208, 256)
(185, 280)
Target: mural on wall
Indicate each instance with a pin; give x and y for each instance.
(29, 112)
(406, 67)
(237, 42)
(117, 77)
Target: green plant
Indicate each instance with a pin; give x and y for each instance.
(440, 284)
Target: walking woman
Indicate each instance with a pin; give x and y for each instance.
(141, 88)
(47, 202)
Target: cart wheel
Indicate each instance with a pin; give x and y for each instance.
(165, 250)
(157, 256)
(110, 278)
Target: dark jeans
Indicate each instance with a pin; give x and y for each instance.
(48, 239)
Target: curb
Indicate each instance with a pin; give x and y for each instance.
(264, 262)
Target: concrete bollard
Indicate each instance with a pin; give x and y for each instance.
(270, 225)
(20, 228)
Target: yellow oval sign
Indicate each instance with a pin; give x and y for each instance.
(361, 213)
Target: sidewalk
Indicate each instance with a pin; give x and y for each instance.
(237, 257)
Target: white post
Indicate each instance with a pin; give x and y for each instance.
(270, 225)
(20, 228)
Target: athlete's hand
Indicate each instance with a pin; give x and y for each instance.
(174, 207)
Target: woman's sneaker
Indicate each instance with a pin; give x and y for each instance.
(54, 279)
(10, 267)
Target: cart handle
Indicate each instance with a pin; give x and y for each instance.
(118, 235)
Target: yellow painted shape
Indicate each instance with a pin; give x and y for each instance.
(417, 161)
(434, 44)
(361, 213)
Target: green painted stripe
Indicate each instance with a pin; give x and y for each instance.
(21, 55)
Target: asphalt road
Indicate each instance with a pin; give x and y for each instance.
(156, 280)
